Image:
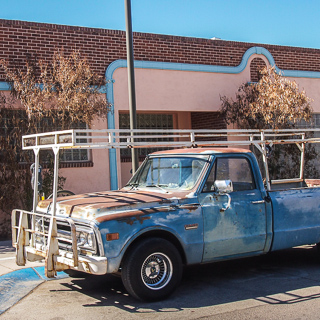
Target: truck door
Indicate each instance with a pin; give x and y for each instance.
(241, 228)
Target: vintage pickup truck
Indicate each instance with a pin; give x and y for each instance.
(183, 206)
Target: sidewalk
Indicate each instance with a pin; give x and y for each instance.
(8, 259)
(18, 281)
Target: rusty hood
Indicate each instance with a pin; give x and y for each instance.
(109, 205)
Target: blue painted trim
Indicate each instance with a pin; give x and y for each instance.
(113, 172)
(185, 67)
(211, 69)
(4, 86)
(299, 73)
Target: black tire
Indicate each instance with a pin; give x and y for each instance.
(318, 249)
(152, 269)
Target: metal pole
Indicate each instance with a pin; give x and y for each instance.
(302, 150)
(265, 161)
(35, 182)
(131, 82)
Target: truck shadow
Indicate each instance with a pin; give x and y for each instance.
(276, 278)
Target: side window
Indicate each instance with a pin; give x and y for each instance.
(238, 170)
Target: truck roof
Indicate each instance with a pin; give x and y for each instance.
(207, 151)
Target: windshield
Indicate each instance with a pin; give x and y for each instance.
(180, 173)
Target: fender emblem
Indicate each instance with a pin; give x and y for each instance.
(191, 226)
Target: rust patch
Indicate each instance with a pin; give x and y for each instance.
(44, 203)
(190, 207)
(131, 221)
(191, 226)
(134, 214)
(86, 267)
(203, 150)
(48, 273)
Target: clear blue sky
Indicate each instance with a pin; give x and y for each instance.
(280, 22)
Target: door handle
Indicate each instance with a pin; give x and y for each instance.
(258, 202)
(228, 204)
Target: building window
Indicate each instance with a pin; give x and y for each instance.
(145, 121)
(11, 122)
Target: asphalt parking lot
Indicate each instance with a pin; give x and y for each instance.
(281, 285)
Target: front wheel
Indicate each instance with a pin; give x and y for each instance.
(152, 269)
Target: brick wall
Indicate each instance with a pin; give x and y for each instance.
(19, 40)
(207, 120)
(257, 64)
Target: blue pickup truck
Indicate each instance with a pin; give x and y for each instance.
(182, 207)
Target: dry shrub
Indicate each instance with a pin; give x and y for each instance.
(53, 95)
(273, 103)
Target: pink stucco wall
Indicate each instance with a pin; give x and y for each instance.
(311, 87)
(90, 179)
(185, 91)
(172, 91)
(164, 90)
(178, 92)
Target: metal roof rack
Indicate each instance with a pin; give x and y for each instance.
(141, 138)
(110, 139)
(145, 138)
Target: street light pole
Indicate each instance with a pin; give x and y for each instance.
(131, 82)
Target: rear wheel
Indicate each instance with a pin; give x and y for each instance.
(152, 269)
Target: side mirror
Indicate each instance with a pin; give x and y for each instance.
(223, 186)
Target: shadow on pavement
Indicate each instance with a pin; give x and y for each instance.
(276, 278)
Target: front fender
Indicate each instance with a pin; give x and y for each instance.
(192, 251)
(115, 262)
(182, 224)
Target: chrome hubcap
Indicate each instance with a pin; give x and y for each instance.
(156, 271)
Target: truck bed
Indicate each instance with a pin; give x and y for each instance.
(296, 216)
(295, 184)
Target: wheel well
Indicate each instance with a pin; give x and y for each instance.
(160, 234)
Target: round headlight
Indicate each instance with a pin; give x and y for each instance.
(82, 238)
(37, 226)
(90, 240)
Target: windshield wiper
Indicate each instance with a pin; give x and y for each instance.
(132, 185)
(157, 186)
